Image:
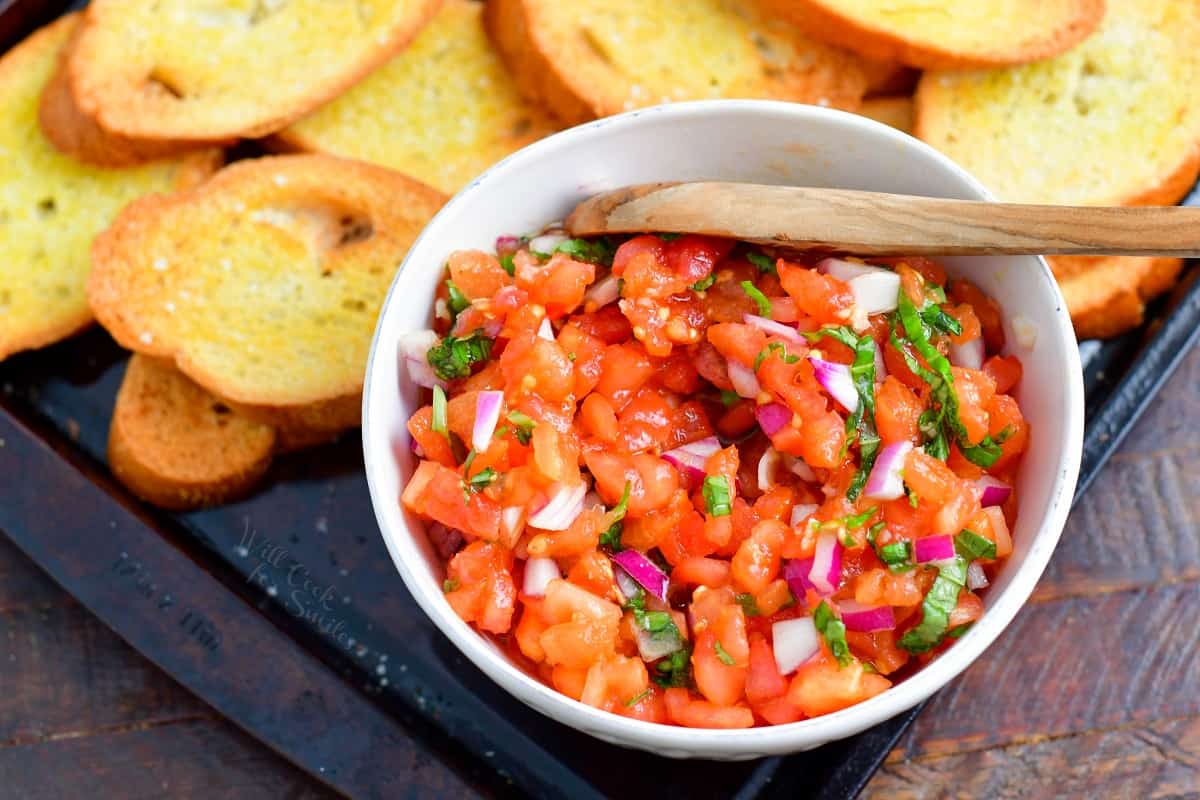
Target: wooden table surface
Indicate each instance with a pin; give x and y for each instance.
(1094, 691)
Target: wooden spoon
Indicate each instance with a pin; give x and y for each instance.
(871, 223)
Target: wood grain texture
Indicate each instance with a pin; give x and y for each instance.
(872, 223)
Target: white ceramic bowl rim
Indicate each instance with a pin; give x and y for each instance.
(1001, 608)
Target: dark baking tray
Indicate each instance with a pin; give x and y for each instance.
(286, 614)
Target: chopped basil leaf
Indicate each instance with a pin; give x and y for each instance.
(449, 585)
(657, 623)
(765, 264)
(729, 397)
(466, 467)
(913, 500)
(870, 668)
(873, 532)
(457, 302)
(717, 496)
(862, 422)
(939, 320)
(723, 655)
(439, 425)
(669, 237)
(596, 251)
(482, 479)
(618, 512)
(848, 540)
(858, 520)
(509, 265)
(633, 701)
(936, 607)
(749, 607)
(611, 538)
(896, 554)
(774, 347)
(833, 632)
(984, 454)
(760, 299)
(453, 356)
(523, 426)
(970, 545)
(674, 671)
(959, 631)
(704, 283)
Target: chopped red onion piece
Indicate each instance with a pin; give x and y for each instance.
(772, 417)
(802, 511)
(644, 571)
(415, 446)
(547, 243)
(446, 541)
(799, 468)
(773, 328)
(969, 355)
(507, 245)
(934, 548)
(625, 584)
(545, 331)
(538, 574)
(826, 572)
(866, 619)
(768, 464)
(835, 379)
(795, 572)
(886, 481)
(993, 492)
(414, 348)
(881, 370)
(565, 505)
(794, 641)
(603, 292)
(689, 459)
(976, 577)
(487, 414)
(744, 381)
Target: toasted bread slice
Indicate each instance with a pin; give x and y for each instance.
(263, 284)
(945, 34)
(1114, 121)
(188, 71)
(894, 111)
(51, 206)
(1106, 295)
(442, 111)
(593, 58)
(177, 446)
(889, 77)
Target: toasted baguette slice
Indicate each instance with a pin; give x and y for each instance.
(186, 71)
(263, 284)
(176, 446)
(1107, 295)
(1116, 121)
(889, 77)
(592, 58)
(894, 111)
(945, 34)
(442, 111)
(51, 206)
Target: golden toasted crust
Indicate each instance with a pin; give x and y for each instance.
(262, 284)
(441, 112)
(51, 205)
(946, 34)
(179, 71)
(598, 57)
(1115, 121)
(176, 446)
(1106, 295)
(894, 111)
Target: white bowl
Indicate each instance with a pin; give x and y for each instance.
(765, 142)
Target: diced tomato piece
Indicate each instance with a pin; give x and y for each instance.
(1005, 371)
(737, 342)
(985, 308)
(614, 681)
(569, 680)
(683, 710)
(719, 682)
(968, 609)
(821, 686)
(975, 390)
(558, 285)
(693, 257)
(586, 352)
(436, 492)
(484, 591)
(533, 364)
(650, 708)
(756, 562)
(764, 680)
(651, 480)
(774, 596)
(1005, 419)
(593, 571)
(897, 411)
(879, 648)
(434, 445)
(821, 297)
(711, 365)
(699, 571)
(624, 369)
(477, 274)
(738, 419)
(597, 417)
(529, 630)
(649, 530)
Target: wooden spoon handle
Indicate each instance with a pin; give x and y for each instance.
(871, 223)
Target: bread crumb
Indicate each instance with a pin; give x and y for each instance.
(280, 180)
(226, 264)
(146, 337)
(169, 306)
(160, 264)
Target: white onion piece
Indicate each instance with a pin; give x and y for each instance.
(414, 349)
(802, 512)
(799, 468)
(835, 379)
(969, 355)
(487, 414)
(545, 331)
(767, 466)
(976, 577)
(843, 270)
(538, 574)
(547, 242)
(653, 646)
(877, 292)
(744, 381)
(886, 481)
(625, 584)
(565, 505)
(794, 642)
(773, 328)
(512, 519)
(602, 292)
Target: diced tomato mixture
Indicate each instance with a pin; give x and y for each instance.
(689, 482)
